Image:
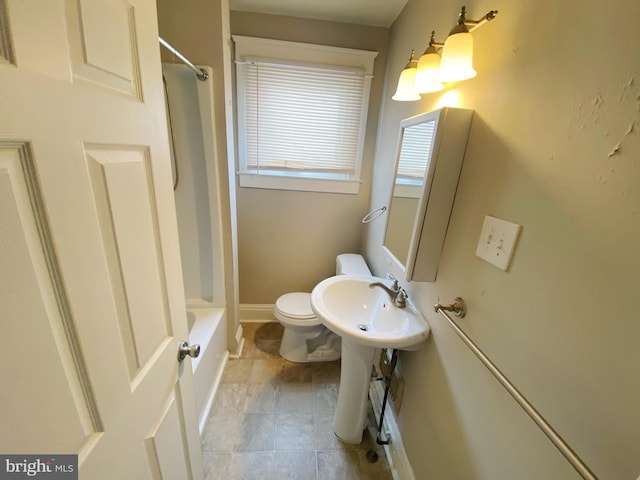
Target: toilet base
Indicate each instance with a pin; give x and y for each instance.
(310, 344)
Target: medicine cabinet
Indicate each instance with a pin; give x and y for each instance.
(431, 148)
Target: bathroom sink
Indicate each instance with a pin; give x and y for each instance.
(366, 319)
(349, 307)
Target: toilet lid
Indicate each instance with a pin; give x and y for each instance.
(295, 305)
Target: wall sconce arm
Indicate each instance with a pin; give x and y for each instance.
(473, 24)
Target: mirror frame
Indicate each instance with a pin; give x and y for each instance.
(438, 191)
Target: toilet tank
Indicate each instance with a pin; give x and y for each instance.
(351, 264)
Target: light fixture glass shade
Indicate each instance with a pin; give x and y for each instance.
(457, 58)
(426, 75)
(404, 92)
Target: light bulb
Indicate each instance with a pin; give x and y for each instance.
(427, 71)
(457, 56)
(404, 92)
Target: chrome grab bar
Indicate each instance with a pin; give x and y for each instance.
(458, 307)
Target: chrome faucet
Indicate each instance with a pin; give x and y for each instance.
(396, 292)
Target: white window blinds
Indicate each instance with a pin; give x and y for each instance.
(303, 118)
(417, 143)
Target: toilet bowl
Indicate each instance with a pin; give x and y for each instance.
(305, 338)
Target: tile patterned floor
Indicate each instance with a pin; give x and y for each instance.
(272, 420)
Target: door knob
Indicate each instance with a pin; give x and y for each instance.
(193, 351)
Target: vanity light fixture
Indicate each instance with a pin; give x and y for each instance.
(405, 92)
(457, 53)
(453, 65)
(429, 68)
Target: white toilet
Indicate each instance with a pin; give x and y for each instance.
(305, 338)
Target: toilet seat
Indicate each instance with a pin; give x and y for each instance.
(295, 309)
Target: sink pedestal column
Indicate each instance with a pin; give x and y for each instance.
(355, 375)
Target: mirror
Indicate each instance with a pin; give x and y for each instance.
(431, 148)
(416, 140)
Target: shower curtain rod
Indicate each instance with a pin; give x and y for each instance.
(201, 74)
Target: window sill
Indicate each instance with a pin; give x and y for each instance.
(300, 184)
(407, 191)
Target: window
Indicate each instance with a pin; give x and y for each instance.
(415, 154)
(302, 113)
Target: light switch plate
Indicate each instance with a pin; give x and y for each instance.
(497, 241)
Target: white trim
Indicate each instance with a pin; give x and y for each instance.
(275, 182)
(297, 65)
(407, 191)
(206, 410)
(394, 451)
(239, 342)
(322, 54)
(253, 50)
(256, 313)
(200, 303)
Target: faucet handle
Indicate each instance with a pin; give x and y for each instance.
(396, 284)
(401, 298)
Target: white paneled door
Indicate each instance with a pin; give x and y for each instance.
(91, 301)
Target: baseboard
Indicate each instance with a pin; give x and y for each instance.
(394, 451)
(239, 342)
(212, 394)
(255, 312)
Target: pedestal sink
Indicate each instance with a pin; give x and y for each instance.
(366, 319)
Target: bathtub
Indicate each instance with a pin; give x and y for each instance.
(207, 328)
(190, 118)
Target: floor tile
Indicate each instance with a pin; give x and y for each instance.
(326, 372)
(273, 419)
(239, 466)
(325, 438)
(217, 466)
(221, 432)
(295, 465)
(262, 348)
(249, 331)
(325, 397)
(296, 372)
(231, 398)
(258, 433)
(295, 431)
(350, 465)
(295, 397)
(251, 466)
(261, 398)
(269, 331)
(237, 371)
(266, 371)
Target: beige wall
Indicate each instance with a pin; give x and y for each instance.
(288, 241)
(199, 29)
(554, 147)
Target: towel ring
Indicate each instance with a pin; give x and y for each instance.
(373, 214)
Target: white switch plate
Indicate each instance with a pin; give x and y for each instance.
(497, 241)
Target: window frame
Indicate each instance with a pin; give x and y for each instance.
(248, 49)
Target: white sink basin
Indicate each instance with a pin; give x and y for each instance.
(349, 307)
(366, 319)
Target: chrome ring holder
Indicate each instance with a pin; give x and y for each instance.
(373, 214)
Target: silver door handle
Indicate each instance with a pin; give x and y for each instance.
(193, 351)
